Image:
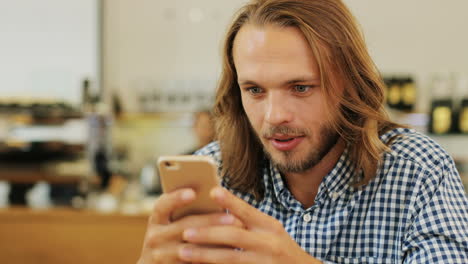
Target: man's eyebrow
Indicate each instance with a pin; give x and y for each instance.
(293, 81)
(302, 80)
(247, 82)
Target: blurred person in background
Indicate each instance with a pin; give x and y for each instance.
(203, 129)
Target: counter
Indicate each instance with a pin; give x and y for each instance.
(63, 235)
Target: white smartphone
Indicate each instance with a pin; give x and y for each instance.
(190, 171)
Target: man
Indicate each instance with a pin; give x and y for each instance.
(315, 169)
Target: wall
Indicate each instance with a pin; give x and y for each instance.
(47, 48)
(169, 44)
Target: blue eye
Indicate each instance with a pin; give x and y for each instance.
(254, 90)
(302, 88)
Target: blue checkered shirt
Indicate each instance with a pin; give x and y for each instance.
(414, 211)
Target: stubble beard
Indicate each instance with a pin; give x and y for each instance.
(287, 163)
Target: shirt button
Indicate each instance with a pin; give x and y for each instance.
(307, 218)
(335, 195)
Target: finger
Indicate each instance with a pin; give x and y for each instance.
(210, 220)
(167, 254)
(249, 215)
(174, 230)
(192, 253)
(168, 202)
(229, 236)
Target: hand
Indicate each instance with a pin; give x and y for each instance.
(261, 240)
(163, 238)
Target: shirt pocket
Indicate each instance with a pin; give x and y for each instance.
(360, 260)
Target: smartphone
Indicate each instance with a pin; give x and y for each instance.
(190, 171)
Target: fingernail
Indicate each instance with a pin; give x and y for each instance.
(187, 195)
(226, 219)
(189, 233)
(185, 253)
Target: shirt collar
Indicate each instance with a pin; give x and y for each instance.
(279, 187)
(337, 181)
(341, 178)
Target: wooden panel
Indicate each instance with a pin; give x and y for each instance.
(68, 236)
(32, 173)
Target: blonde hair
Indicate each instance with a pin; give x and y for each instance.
(339, 48)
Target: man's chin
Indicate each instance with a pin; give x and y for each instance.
(293, 166)
(287, 162)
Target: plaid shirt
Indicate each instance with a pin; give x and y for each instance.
(414, 211)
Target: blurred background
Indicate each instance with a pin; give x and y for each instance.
(92, 92)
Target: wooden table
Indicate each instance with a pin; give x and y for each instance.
(68, 236)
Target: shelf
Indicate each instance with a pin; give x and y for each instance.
(32, 173)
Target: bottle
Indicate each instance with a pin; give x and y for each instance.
(463, 117)
(441, 114)
(394, 93)
(86, 97)
(461, 96)
(408, 94)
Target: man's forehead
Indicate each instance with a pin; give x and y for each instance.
(275, 54)
(250, 38)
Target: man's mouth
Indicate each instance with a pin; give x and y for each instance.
(284, 138)
(285, 142)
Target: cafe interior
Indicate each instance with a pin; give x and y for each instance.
(93, 92)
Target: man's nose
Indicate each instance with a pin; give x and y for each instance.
(278, 109)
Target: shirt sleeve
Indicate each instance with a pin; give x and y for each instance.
(439, 232)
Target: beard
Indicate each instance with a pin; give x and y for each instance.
(286, 161)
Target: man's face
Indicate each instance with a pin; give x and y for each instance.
(280, 88)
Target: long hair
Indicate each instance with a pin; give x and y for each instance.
(339, 48)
